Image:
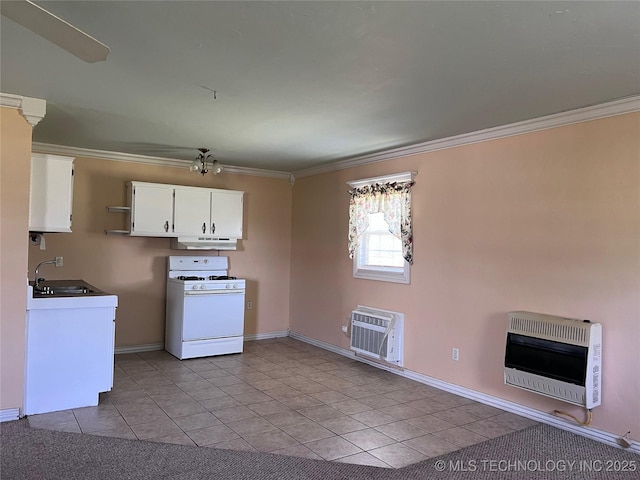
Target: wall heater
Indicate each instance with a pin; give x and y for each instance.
(554, 356)
(378, 334)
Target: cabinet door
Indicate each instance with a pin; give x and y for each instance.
(191, 211)
(50, 193)
(151, 209)
(226, 213)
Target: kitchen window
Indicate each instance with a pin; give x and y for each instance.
(380, 230)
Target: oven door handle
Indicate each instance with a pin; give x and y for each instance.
(213, 292)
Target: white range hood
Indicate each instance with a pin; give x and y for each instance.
(204, 242)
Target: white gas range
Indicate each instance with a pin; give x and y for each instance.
(205, 307)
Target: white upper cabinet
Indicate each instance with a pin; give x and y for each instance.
(50, 193)
(151, 209)
(226, 213)
(204, 211)
(160, 210)
(191, 210)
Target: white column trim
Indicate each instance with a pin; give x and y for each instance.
(32, 109)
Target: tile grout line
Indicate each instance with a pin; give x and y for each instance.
(334, 375)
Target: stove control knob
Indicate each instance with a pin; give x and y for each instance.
(236, 286)
(195, 287)
(203, 287)
(229, 285)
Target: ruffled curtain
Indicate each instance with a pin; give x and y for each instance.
(394, 201)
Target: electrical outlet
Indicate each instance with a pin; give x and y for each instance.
(249, 305)
(455, 354)
(59, 261)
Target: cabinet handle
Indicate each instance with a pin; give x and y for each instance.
(213, 227)
(204, 227)
(166, 226)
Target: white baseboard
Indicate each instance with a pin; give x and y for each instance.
(9, 414)
(149, 347)
(522, 410)
(264, 336)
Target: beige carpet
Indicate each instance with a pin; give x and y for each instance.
(539, 452)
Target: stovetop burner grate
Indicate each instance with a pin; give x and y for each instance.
(221, 277)
(182, 277)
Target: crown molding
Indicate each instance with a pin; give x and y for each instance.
(32, 109)
(148, 160)
(594, 112)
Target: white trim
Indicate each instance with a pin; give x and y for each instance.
(264, 336)
(9, 414)
(594, 112)
(148, 160)
(522, 410)
(395, 177)
(32, 109)
(380, 274)
(149, 347)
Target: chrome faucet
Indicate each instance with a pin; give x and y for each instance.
(56, 261)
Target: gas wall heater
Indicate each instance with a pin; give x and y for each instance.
(378, 334)
(554, 356)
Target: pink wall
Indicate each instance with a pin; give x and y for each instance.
(134, 268)
(547, 221)
(15, 167)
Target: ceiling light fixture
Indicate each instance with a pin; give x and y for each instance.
(200, 165)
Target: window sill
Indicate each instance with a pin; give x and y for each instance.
(384, 276)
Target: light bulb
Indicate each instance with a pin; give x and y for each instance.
(216, 167)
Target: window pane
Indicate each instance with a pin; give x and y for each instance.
(380, 248)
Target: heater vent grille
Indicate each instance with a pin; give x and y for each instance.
(555, 356)
(551, 328)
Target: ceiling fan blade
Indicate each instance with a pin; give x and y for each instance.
(55, 29)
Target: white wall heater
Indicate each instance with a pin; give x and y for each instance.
(378, 334)
(554, 356)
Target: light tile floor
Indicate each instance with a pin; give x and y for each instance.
(284, 396)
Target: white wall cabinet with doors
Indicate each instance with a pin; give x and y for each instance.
(151, 209)
(50, 193)
(226, 213)
(191, 211)
(162, 210)
(203, 211)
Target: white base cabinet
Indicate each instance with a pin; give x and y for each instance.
(70, 352)
(50, 193)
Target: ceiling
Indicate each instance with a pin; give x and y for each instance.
(303, 84)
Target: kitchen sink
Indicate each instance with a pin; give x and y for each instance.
(65, 288)
(64, 291)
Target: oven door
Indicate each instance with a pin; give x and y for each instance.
(213, 315)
